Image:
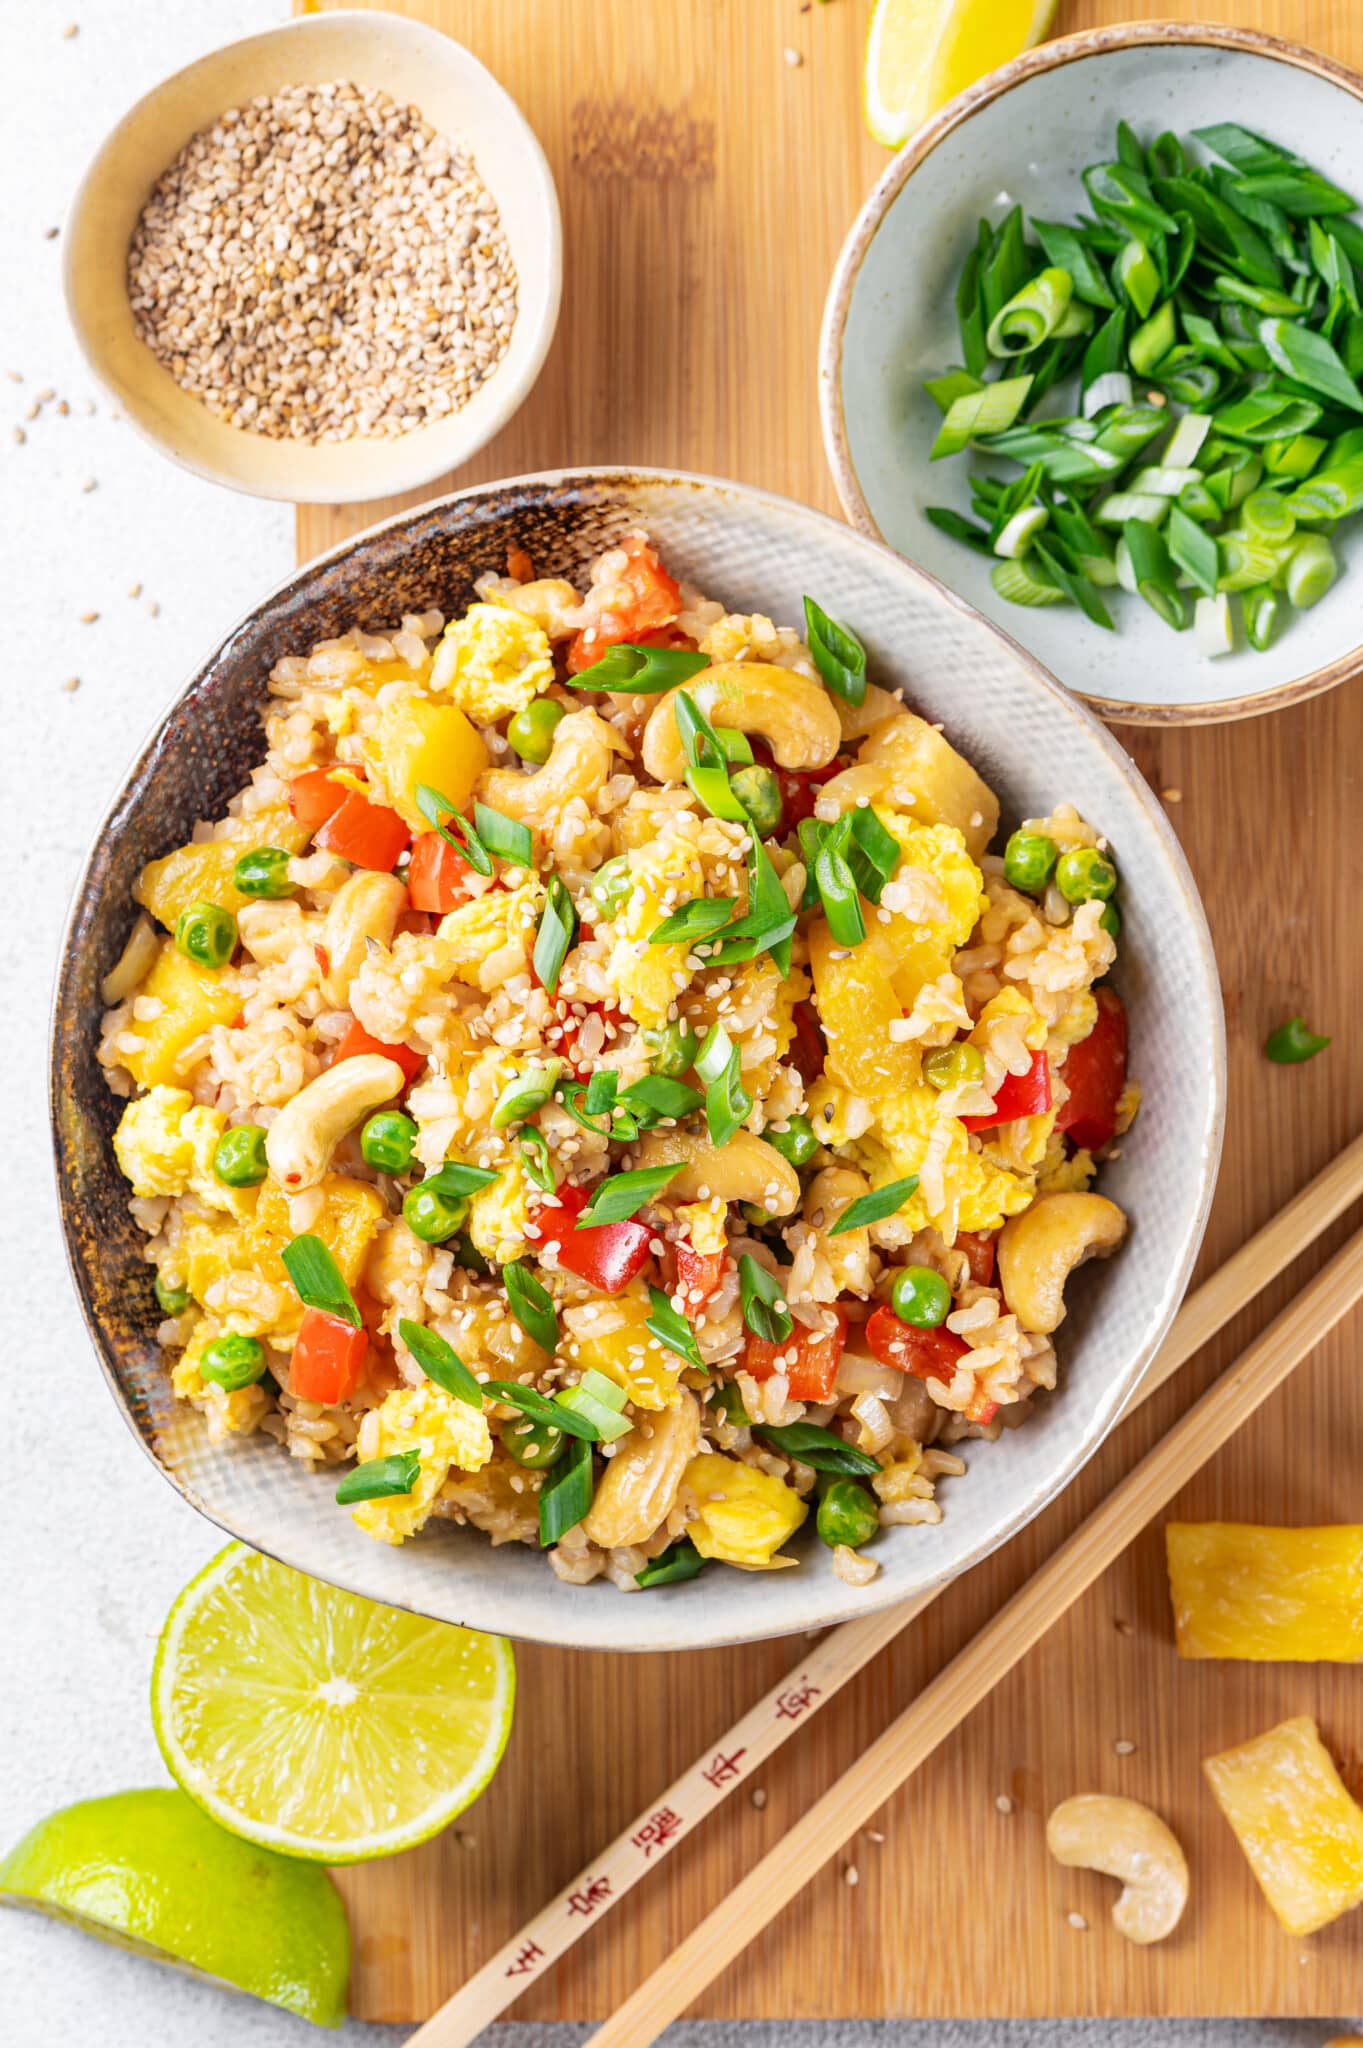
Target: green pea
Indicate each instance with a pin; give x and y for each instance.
(172, 1301)
(920, 1296)
(206, 934)
(1084, 873)
(1028, 861)
(388, 1141)
(672, 1050)
(760, 795)
(232, 1363)
(432, 1216)
(953, 1066)
(531, 732)
(1111, 920)
(264, 872)
(611, 886)
(754, 1213)
(239, 1158)
(798, 1142)
(536, 1445)
(847, 1514)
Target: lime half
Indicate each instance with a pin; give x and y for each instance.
(921, 53)
(321, 1724)
(150, 1872)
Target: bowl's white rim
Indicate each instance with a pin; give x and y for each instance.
(834, 1608)
(1093, 42)
(520, 374)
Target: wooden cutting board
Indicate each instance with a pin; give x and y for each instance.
(706, 184)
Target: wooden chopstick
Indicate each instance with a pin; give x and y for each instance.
(989, 1656)
(740, 1753)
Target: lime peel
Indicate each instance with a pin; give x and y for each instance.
(320, 1724)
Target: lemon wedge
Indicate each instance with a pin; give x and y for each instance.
(921, 53)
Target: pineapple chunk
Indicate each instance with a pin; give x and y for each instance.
(744, 1515)
(193, 999)
(1269, 1595)
(611, 1337)
(419, 742)
(1294, 1820)
(240, 1270)
(857, 1004)
(202, 872)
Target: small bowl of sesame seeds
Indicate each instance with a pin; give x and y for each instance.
(320, 264)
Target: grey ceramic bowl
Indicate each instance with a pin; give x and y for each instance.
(1025, 133)
(1034, 744)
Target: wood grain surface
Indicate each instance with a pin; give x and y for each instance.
(706, 185)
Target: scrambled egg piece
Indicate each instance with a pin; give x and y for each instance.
(744, 1515)
(1062, 1173)
(837, 1115)
(236, 1269)
(493, 662)
(486, 941)
(444, 1433)
(1010, 1002)
(1075, 1024)
(934, 898)
(916, 1136)
(703, 1223)
(165, 1143)
(649, 978)
(499, 1214)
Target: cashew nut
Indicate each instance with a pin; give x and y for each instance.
(793, 715)
(905, 763)
(746, 1169)
(366, 907)
(580, 760)
(639, 1485)
(1039, 1249)
(302, 1138)
(857, 720)
(133, 963)
(1124, 1839)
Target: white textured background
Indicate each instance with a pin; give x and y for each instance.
(93, 1545)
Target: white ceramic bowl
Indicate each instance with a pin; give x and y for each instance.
(1025, 133)
(1033, 742)
(413, 64)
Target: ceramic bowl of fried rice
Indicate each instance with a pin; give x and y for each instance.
(575, 1074)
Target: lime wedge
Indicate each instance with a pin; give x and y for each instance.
(150, 1872)
(320, 1724)
(921, 53)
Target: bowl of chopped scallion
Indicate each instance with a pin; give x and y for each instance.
(1093, 356)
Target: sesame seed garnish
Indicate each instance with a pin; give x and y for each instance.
(759, 1796)
(1003, 1803)
(71, 683)
(851, 1876)
(1124, 1748)
(88, 618)
(1077, 1922)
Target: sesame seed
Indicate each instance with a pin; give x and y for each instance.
(1003, 1803)
(20, 436)
(89, 485)
(874, 1835)
(851, 1876)
(759, 1796)
(88, 618)
(1077, 1922)
(1124, 1748)
(72, 29)
(71, 683)
(1171, 796)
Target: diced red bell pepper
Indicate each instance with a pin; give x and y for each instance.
(979, 1250)
(699, 1274)
(328, 1358)
(799, 787)
(807, 1049)
(437, 874)
(369, 835)
(654, 599)
(813, 1370)
(1017, 1095)
(315, 796)
(605, 1255)
(926, 1354)
(358, 1040)
(1095, 1074)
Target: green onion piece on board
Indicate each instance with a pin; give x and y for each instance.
(1292, 1043)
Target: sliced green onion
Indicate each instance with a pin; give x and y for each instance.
(1065, 248)
(764, 1306)
(1188, 382)
(456, 830)
(641, 671)
(969, 310)
(1154, 573)
(735, 746)
(1005, 264)
(1021, 530)
(317, 1280)
(532, 1305)
(568, 1495)
(1031, 314)
(837, 886)
(1198, 502)
(1213, 626)
(727, 1101)
(711, 785)
(681, 1560)
(1262, 611)
(875, 1207)
(1152, 341)
(1106, 351)
(1268, 414)
(1019, 585)
(622, 1195)
(1294, 458)
(1076, 585)
(1112, 388)
(989, 411)
(1193, 550)
(838, 655)
(524, 1094)
(1226, 234)
(536, 1159)
(1333, 493)
(1186, 442)
(872, 851)
(654, 1096)
(380, 1478)
(440, 1362)
(1309, 358)
(454, 1179)
(1138, 275)
(672, 1331)
(951, 385)
(958, 527)
(1125, 196)
(1263, 298)
(695, 920)
(818, 1447)
(1246, 562)
(540, 1408)
(554, 939)
(1310, 571)
(585, 1405)
(1160, 480)
(1122, 506)
(506, 837)
(1292, 1043)
(1267, 515)
(602, 1090)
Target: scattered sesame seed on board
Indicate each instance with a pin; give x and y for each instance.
(851, 1876)
(793, 58)
(1077, 1922)
(134, 590)
(1003, 1802)
(1171, 796)
(20, 436)
(72, 29)
(91, 483)
(71, 683)
(15, 376)
(1124, 1748)
(88, 618)
(153, 608)
(759, 1796)
(46, 394)
(874, 1835)
(1124, 1628)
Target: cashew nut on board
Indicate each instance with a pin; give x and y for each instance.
(1123, 1839)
